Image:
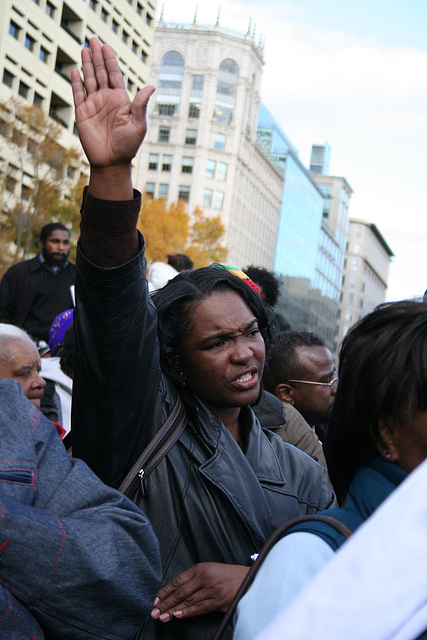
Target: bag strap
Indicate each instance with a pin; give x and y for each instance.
(270, 542)
(156, 449)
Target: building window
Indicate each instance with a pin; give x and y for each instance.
(104, 15)
(8, 78)
(164, 134)
(44, 55)
(149, 189)
(130, 85)
(153, 161)
(351, 298)
(14, 30)
(134, 46)
(139, 9)
(29, 42)
(210, 168)
(38, 99)
(354, 265)
(148, 19)
(194, 110)
(25, 192)
(207, 197)
(93, 4)
(187, 165)
(144, 56)
(115, 26)
(167, 163)
(191, 136)
(23, 90)
(221, 171)
(226, 91)
(50, 9)
(10, 184)
(184, 193)
(170, 79)
(196, 96)
(163, 190)
(218, 199)
(219, 141)
(166, 109)
(125, 37)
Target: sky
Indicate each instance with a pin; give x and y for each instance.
(354, 75)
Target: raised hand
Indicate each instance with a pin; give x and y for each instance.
(110, 126)
(205, 587)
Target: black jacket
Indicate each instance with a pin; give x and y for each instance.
(18, 289)
(207, 500)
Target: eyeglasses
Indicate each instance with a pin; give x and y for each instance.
(323, 384)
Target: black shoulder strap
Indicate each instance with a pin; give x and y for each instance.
(270, 542)
(156, 450)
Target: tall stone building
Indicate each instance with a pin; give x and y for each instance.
(366, 269)
(202, 144)
(41, 41)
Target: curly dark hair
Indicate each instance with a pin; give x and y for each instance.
(382, 374)
(180, 262)
(267, 281)
(176, 301)
(282, 363)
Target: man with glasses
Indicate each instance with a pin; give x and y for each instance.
(300, 371)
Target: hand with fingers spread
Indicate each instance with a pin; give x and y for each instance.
(110, 126)
(205, 587)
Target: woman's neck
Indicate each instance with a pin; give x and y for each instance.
(230, 417)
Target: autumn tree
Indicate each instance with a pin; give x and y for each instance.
(37, 178)
(168, 230)
(206, 234)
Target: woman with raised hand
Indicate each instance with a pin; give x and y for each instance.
(225, 484)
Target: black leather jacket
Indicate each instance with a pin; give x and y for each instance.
(207, 500)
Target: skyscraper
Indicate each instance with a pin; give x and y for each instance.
(202, 144)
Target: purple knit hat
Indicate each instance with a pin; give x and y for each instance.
(58, 329)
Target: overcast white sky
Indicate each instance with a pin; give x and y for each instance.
(355, 75)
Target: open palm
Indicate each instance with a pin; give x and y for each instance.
(110, 126)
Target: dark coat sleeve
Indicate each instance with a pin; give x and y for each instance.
(117, 372)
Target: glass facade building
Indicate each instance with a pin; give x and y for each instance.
(308, 260)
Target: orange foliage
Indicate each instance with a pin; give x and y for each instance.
(167, 230)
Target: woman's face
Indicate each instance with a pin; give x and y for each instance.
(223, 355)
(24, 365)
(408, 446)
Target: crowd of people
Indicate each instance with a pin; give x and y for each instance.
(200, 423)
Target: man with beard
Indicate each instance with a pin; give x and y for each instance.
(34, 292)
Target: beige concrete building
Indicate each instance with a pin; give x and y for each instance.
(202, 145)
(41, 41)
(366, 269)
